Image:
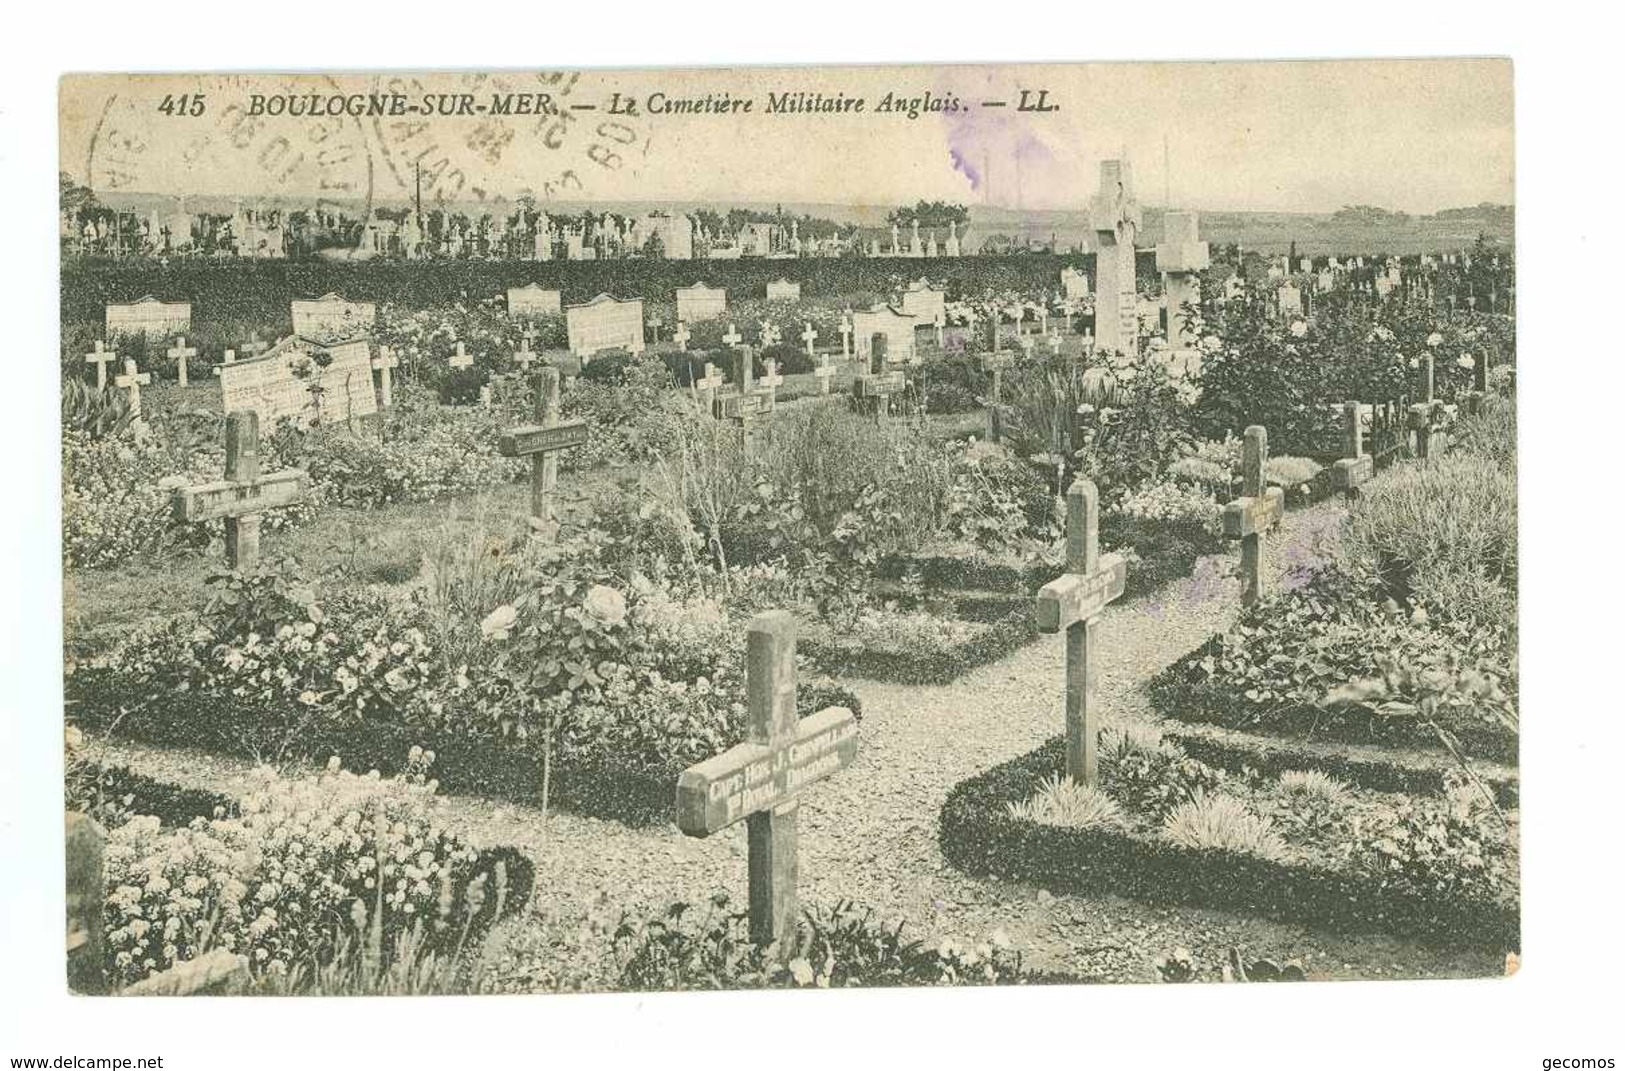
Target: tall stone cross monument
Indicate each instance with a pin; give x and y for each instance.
(1114, 215)
(761, 780)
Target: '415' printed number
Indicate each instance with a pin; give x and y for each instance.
(185, 104)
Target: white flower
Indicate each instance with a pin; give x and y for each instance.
(1466, 361)
(1299, 329)
(606, 604)
(498, 622)
(1435, 339)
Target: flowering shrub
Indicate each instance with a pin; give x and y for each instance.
(1175, 503)
(279, 882)
(1451, 846)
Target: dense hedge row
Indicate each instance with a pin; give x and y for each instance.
(463, 765)
(260, 290)
(978, 835)
(845, 656)
(1377, 768)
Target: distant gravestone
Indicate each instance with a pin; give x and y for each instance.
(243, 494)
(1074, 602)
(1074, 284)
(892, 324)
(783, 290)
(879, 384)
(762, 779)
(290, 380)
(924, 301)
(150, 317)
(534, 299)
(681, 336)
(701, 302)
(825, 371)
(1289, 299)
(1254, 513)
(541, 442)
(603, 324)
(330, 316)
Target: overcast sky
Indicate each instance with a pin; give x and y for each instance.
(1414, 135)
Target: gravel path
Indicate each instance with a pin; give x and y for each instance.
(870, 832)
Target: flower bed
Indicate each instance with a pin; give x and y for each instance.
(979, 834)
(916, 647)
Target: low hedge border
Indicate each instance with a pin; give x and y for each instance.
(464, 765)
(1368, 766)
(977, 835)
(1178, 699)
(179, 805)
(846, 657)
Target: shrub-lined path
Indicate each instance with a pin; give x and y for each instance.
(869, 834)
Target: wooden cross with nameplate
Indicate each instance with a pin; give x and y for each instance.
(878, 383)
(994, 364)
(1254, 513)
(1355, 466)
(460, 358)
(384, 363)
(180, 352)
(761, 780)
(1074, 602)
(244, 494)
(541, 442)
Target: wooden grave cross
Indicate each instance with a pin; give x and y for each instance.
(994, 364)
(384, 363)
(1074, 601)
(749, 402)
(1355, 466)
(132, 381)
(541, 442)
(771, 380)
(180, 351)
(762, 779)
(1481, 384)
(809, 336)
(243, 494)
(824, 370)
(681, 335)
(226, 357)
(99, 357)
(1251, 515)
(846, 334)
(707, 386)
(461, 358)
(1422, 413)
(524, 355)
(733, 337)
(878, 383)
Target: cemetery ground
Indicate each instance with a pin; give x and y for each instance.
(1313, 760)
(871, 836)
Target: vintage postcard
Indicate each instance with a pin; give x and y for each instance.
(537, 531)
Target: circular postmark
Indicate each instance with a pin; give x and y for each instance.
(210, 139)
(490, 138)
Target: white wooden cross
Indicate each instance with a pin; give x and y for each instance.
(461, 358)
(762, 779)
(228, 357)
(180, 351)
(541, 442)
(383, 364)
(681, 335)
(1355, 466)
(99, 357)
(846, 334)
(809, 336)
(1251, 515)
(824, 371)
(1074, 601)
(771, 379)
(707, 387)
(1055, 342)
(733, 337)
(243, 494)
(937, 322)
(132, 381)
(524, 355)
(1027, 344)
